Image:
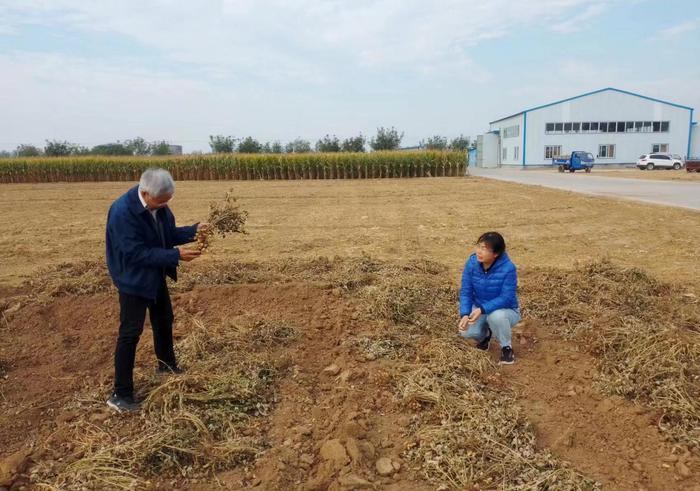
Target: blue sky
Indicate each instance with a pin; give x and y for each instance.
(95, 72)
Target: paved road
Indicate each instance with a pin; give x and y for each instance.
(671, 193)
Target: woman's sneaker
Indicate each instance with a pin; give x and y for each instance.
(507, 356)
(123, 404)
(485, 343)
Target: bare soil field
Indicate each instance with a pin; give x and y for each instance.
(403, 219)
(321, 348)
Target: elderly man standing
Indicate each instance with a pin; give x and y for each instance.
(141, 252)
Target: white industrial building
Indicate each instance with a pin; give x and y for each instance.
(614, 125)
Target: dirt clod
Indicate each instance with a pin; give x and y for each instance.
(384, 466)
(332, 370)
(353, 481)
(334, 451)
(683, 470)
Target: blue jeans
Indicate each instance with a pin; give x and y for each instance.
(500, 322)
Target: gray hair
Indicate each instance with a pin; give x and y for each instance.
(157, 182)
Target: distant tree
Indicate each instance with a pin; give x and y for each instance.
(159, 148)
(353, 144)
(276, 147)
(222, 144)
(386, 139)
(4, 154)
(298, 146)
(112, 149)
(56, 148)
(436, 142)
(460, 143)
(266, 148)
(27, 151)
(328, 144)
(137, 146)
(249, 145)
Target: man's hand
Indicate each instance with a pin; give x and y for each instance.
(476, 313)
(464, 323)
(203, 227)
(188, 255)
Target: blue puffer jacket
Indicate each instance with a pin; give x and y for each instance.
(136, 258)
(490, 290)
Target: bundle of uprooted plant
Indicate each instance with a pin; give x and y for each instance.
(225, 217)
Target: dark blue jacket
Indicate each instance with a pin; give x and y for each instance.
(491, 290)
(136, 258)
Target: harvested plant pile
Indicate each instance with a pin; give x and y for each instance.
(645, 334)
(466, 429)
(191, 425)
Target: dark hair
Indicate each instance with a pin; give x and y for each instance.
(494, 240)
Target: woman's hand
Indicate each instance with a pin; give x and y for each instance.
(464, 323)
(476, 313)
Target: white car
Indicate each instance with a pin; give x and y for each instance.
(651, 161)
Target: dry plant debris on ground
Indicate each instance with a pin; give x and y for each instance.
(645, 334)
(191, 425)
(465, 428)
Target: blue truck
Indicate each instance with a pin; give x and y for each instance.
(578, 160)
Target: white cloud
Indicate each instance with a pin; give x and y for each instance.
(286, 36)
(679, 29)
(579, 21)
(279, 69)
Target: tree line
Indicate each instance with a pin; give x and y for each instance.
(385, 139)
(58, 148)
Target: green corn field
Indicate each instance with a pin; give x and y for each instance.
(372, 165)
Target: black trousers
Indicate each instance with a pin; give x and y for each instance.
(132, 317)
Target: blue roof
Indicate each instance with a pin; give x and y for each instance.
(591, 93)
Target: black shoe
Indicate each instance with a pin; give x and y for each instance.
(507, 356)
(485, 343)
(123, 404)
(167, 369)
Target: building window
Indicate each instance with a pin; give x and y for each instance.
(599, 127)
(511, 131)
(606, 151)
(504, 154)
(659, 147)
(552, 151)
(516, 153)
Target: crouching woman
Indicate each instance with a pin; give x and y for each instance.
(488, 303)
